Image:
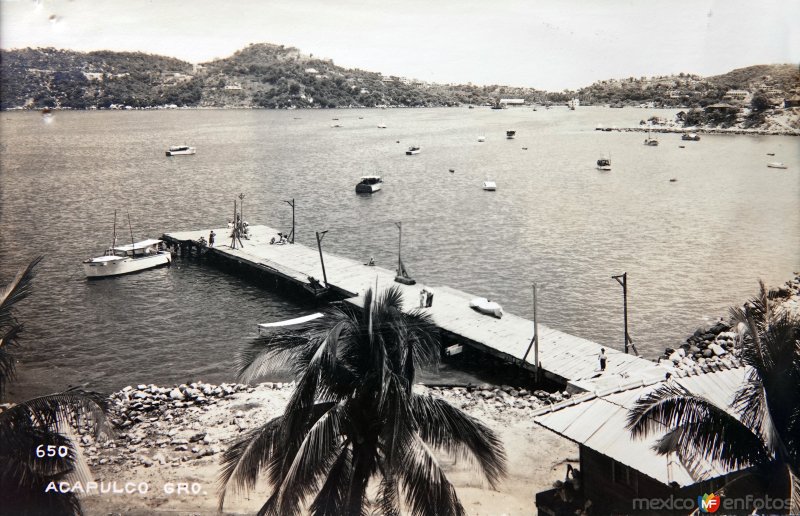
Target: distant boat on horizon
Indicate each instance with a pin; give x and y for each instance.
(181, 150)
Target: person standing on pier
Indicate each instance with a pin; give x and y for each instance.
(423, 298)
(602, 358)
(429, 302)
(211, 238)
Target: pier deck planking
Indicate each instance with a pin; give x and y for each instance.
(565, 357)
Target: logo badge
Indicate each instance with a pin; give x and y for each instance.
(708, 502)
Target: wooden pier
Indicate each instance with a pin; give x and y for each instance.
(564, 358)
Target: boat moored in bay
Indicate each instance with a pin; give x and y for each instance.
(413, 150)
(369, 184)
(181, 150)
(603, 164)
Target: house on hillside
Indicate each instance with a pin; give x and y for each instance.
(622, 475)
(740, 96)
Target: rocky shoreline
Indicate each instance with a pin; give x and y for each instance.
(719, 345)
(709, 130)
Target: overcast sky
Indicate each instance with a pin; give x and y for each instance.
(548, 44)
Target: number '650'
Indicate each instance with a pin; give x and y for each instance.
(51, 451)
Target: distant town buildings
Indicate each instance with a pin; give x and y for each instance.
(740, 96)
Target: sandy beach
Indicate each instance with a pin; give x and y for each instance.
(169, 450)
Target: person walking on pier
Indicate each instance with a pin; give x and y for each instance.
(429, 302)
(602, 358)
(211, 238)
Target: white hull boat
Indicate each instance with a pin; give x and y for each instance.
(484, 306)
(369, 184)
(489, 186)
(181, 150)
(412, 151)
(776, 164)
(481, 138)
(125, 259)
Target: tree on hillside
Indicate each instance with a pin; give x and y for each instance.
(354, 418)
(36, 425)
(765, 430)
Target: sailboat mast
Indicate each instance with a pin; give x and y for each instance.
(133, 250)
(114, 242)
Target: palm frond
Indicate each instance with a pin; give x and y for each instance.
(425, 485)
(705, 430)
(18, 289)
(242, 462)
(448, 428)
(313, 458)
(330, 499)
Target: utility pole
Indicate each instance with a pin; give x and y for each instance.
(291, 203)
(535, 340)
(320, 236)
(622, 279)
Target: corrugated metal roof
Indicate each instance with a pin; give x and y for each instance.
(598, 421)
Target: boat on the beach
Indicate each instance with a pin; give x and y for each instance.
(603, 164)
(486, 307)
(124, 259)
(690, 137)
(776, 164)
(489, 186)
(510, 134)
(413, 150)
(181, 150)
(369, 184)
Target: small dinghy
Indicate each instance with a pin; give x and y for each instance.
(486, 307)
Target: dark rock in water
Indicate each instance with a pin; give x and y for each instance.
(709, 336)
(669, 351)
(719, 328)
(698, 332)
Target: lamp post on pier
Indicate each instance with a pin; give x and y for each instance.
(535, 340)
(291, 203)
(320, 236)
(622, 279)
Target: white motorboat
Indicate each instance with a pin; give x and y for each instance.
(265, 328)
(511, 134)
(181, 150)
(381, 126)
(369, 184)
(690, 137)
(129, 258)
(776, 164)
(603, 164)
(489, 186)
(484, 306)
(481, 138)
(413, 150)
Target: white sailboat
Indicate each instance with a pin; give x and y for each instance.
(124, 259)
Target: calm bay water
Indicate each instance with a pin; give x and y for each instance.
(691, 248)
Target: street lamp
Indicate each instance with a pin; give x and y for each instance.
(291, 203)
(622, 279)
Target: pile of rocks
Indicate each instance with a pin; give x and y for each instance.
(500, 398)
(718, 345)
(145, 402)
(161, 424)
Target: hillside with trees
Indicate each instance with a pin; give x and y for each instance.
(275, 76)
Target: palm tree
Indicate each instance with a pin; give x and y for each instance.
(354, 418)
(762, 428)
(37, 424)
